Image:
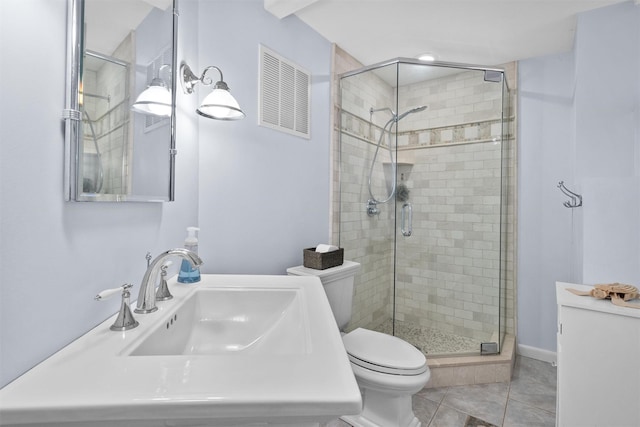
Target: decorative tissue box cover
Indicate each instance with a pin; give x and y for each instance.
(322, 260)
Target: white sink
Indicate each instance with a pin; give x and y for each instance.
(228, 351)
(232, 320)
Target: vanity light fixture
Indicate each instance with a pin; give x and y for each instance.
(219, 104)
(155, 99)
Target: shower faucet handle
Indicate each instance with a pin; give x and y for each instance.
(372, 207)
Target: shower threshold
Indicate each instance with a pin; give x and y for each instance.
(455, 360)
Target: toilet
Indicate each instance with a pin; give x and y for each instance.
(388, 369)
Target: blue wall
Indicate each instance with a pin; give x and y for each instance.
(579, 121)
(545, 156)
(55, 256)
(607, 108)
(264, 194)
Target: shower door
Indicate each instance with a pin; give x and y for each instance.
(422, 204)
(105, 153)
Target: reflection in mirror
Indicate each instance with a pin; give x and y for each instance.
(118, 49)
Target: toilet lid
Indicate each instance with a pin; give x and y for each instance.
(383, 353)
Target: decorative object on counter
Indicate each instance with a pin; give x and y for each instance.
(576, 199)
(618, 293)
(322, 257)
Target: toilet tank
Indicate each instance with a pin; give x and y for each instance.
(338, 285)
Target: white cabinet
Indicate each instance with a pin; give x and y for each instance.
(598, 361)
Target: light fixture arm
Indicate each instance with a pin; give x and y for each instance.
(159, 81)
(162, 67)
(219, 104)
(205, 81)
(190, 80)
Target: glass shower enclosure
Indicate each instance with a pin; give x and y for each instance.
(424, 193)
(105, 154)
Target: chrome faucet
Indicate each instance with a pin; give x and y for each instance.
(147, 295)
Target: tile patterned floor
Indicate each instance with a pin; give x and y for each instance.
(528, 401)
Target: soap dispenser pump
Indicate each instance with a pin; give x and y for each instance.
(187, 273)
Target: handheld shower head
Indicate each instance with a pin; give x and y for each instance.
(413, 110)
(371, 210)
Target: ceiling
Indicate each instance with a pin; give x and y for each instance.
(483, 32)
(108, 22)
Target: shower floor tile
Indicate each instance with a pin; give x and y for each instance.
(432, 341)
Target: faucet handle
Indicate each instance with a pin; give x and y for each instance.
(108, 293)
(125, 319)
(163, 293)
(163, 267)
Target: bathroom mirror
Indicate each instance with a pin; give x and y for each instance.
(116, 49)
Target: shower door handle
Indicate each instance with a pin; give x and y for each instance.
(407, 219)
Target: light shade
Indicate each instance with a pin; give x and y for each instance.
(220, 104)
(154, 100)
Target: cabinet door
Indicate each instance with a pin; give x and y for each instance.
(598, 369)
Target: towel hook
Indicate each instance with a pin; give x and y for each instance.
(576, 199)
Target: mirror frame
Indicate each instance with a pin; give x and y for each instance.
(72, 115)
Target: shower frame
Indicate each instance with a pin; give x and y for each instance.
(506, 187)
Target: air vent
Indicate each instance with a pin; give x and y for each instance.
(284, 94)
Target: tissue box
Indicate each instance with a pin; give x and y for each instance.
(322, 260)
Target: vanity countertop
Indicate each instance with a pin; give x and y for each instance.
(95, 378)
(598, 348)
(566, 298)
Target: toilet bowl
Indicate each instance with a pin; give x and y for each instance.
(388, 369)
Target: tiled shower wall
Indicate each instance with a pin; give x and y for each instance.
(448, 269)
(367, 240)
(455, 190)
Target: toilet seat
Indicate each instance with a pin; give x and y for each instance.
(383, 353)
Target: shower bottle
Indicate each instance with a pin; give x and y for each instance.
(187, 273)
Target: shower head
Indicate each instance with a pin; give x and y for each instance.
(413, 110)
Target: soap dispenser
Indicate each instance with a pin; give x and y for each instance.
(187, 273)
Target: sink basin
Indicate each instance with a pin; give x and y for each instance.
(232, 350)
(230, 320)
